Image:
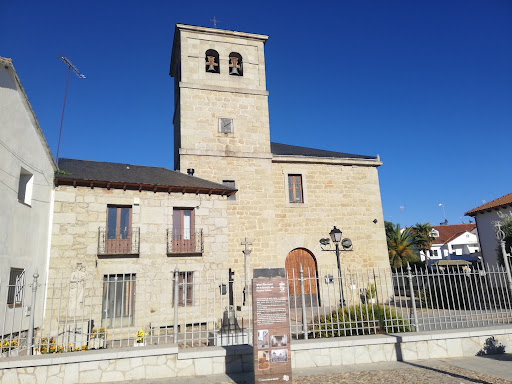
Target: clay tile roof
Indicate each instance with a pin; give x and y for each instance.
(449, 232)
(502, 201)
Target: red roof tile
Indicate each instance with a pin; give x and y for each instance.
(449, 232)
(497, 203)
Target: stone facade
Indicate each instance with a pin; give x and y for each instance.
(79, 215)
(337, 191)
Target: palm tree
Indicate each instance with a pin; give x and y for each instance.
(400, 247)
(423, 238)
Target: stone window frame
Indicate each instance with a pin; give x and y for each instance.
(185, 288)
(127, 294)
(288, 171)
(215, 54)
(240, 62)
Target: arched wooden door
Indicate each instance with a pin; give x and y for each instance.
(295, 259)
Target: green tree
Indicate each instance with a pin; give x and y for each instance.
(423, 238)
(389, 227)
(401, 247)
(506, 227)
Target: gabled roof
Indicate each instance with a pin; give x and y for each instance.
(448, 233)
(7, 63)
(128, 176)
(500, 202)
(293, 150)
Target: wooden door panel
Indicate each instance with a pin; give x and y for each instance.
(295, 259)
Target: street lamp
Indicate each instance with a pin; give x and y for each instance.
(346, 244)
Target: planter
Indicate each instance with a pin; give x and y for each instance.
(143, 344)
(96, 343)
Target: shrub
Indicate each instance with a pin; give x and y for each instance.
(359, 320)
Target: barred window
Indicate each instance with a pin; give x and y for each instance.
(118, 299)
(16, 287)
(186, 288)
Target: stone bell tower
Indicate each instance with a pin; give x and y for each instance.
(221, 126)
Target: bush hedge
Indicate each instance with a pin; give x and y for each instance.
(359, 320)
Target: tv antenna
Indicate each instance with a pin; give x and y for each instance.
(81, 76)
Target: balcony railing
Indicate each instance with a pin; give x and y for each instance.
(179, 243)
(127, 242)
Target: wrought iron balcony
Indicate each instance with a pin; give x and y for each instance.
(180, 243)
(125, 241)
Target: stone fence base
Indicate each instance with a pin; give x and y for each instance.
(156, 362)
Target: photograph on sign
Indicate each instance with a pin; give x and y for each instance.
(263, 338)
(279, 341)
(279, 355)
(263, 359)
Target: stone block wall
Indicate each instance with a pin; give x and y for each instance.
(347, 196)
(79, 212)
(167, 361)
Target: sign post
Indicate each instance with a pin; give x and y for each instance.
(271, 326)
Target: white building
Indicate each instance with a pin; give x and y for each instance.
(27, 169)
(485, 216)
(454, 242)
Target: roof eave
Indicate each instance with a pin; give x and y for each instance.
(375, 162)
(142, 187)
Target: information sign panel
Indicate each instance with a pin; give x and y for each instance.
(271, 326)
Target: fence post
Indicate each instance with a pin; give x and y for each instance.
(500, 234)
(303, 301)
(413, 298)
(176, 303)
(30, 336)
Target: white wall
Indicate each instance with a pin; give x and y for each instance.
(24, 229)
(486, 234)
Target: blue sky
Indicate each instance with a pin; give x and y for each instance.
(427, 85)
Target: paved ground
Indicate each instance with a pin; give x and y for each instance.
(496, 369)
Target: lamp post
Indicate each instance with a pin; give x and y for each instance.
(501, 238)
(346, 244)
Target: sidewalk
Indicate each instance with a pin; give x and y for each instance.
(492, 369)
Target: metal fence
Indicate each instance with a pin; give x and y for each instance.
(213, 308)
(360, 302)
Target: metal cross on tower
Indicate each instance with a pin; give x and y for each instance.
(215, 21)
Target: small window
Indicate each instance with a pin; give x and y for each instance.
(226, 125)
(434, 252)
(186, 288)
(231, 184)
(212, 61)
(16, 287)
(295, 189)
(25, 187)
(236, 67)
(118, 299)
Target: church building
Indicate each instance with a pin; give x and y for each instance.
(288, 197)
(235, 201)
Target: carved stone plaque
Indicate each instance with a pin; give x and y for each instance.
(271, 327)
